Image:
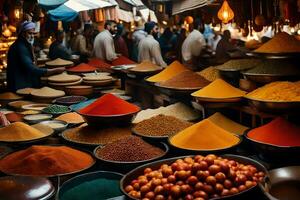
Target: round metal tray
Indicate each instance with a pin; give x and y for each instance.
(126, 180)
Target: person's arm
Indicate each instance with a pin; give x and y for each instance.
(109, 49)
(156, 54)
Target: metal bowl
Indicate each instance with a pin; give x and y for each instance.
(25, 188)
(274, 106)
(283, 183)
(274, 152)
(28, 118)
(268, 78)
(63, 124)
(100, 120)
(126, 180)
(92, 192)
(62, 102)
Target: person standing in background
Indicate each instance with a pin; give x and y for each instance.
(104, 47)
(138, 34)
(57, 49)
(22, 71)
(120, 44)
(149, 48)
(79, 44)
(193, 45)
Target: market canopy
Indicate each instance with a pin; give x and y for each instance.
(180, 6)
(50, 4)
(69, 10)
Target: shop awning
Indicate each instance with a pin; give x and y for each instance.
(69, 10)
(135, 2)
(180, 6)
(50, 4)
(124, 15)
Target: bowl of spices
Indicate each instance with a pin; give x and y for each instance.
(36, 118)
(69, 100)
(196, 176)
(17, 105)
(59, 63)
(159, 127)
(56, 109)
(130, 151)
(278, 139)
(7, 97)
(79, 90)
(71, 118)
(204, 137)
(184, 82)
(92, 186)
(19, 132)
(145, 68)
(35, 106)
(108, 109)
(26, 188)
(31, 161)
(56, 125)
(280, 96)
(93, 136)
(82, 68)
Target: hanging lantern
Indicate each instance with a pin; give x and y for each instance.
(189, 19)
(225, 14)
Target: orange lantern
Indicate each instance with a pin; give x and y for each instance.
(189, 19)
(225, 14)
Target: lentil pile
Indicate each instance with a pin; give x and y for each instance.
(277, 91)
(172, 70)
(71, 118)
(199, 177)
(204, 135)
(19, 131)
(238, 64)
(54, 109)
(45, 161)
(129, 149)
(89, 135)
(210, 73)
(275, 67)
(280, 43)
(278, 132)
(160, 125)
(185, 80)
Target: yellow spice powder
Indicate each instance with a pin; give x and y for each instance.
(227, 124)
(277, 91)
(219, 89)
(204, 135)
(171, 71)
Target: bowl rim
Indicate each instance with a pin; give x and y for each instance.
(108, 116)
(187, 89)
(57, 121)
(173, 159)
(246, 132)
(57, 100)
(206, 150)
(269, 101)
(43, 114)
(163, 144)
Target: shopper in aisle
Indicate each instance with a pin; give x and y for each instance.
(22, 71)
(58, 49)
(193, 46)
(149, 48)
(104, 47)
(80, 43)
(120, 44)
(138, 34)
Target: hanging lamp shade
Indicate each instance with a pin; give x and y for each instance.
(225, 14)
(189, 19)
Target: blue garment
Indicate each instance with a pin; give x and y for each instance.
(58, 50)
(21, 70)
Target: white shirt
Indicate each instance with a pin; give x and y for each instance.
(149, 49)
(192, 45)
(138, 35)
(104, 47)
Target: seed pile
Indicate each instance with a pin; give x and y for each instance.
(280, 43)
(56, 109)
(210, 73)
(47, 92)
(59, 62)
(89, 135)
(186, 79)
(129, 149)
(161, 125)
(275, 67)
(145, 66)
(71, 118)
(277, 91)
(239, 64)
(70, 99)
